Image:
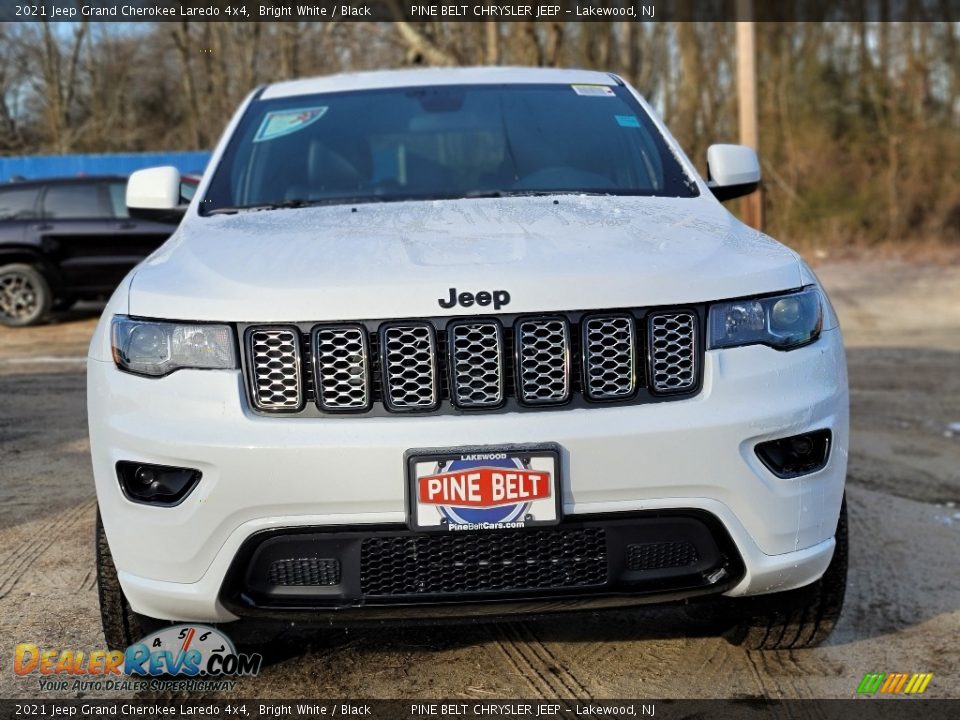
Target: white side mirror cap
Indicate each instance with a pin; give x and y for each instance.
(734, 170)
(154, 189)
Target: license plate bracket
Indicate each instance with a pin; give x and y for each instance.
(483, 488)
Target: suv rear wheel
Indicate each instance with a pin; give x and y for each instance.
(800, 618)
(25, 295)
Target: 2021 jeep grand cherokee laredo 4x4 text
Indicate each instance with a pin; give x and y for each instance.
(451, 342)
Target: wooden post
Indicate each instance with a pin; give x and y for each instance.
(752, 205)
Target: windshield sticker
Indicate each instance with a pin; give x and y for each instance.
(594, 90)
(283, 122)
(627, 121)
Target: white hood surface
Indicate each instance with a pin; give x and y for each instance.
(396, 260)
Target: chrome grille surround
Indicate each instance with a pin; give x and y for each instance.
(409, 361)
(476, 363)
(341, 367)
(609, 357)
(543, 360)
(276, 379)
(672, 338)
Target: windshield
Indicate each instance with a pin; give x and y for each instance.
(443, 142)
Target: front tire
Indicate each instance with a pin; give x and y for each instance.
(801, 618)
(121, 626)
(25, 295)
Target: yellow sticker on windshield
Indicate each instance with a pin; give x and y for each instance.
(283, 122)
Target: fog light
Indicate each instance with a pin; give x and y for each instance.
(156, 484)
(145, 476)
(797, 455)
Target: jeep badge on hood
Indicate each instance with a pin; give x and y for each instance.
(499, 298)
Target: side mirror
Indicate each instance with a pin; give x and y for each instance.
(732, 171)
(154, 194)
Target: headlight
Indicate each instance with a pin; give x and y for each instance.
(782, 322)
(146, 347)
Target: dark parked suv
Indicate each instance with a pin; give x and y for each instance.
(66, 239)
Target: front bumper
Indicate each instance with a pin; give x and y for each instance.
(263, 474)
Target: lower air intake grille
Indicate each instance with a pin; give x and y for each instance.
(304, 572)
(657, 556)
(524, 560)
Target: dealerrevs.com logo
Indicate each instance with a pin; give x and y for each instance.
(179, 657)
(894, 683)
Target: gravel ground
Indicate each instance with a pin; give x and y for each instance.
(902, 325)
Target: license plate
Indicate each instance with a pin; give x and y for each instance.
(483, 488)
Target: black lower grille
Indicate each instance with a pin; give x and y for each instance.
(304, 571)
(660, 555)
(481, 562)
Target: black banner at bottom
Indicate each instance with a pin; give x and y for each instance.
(853, 709)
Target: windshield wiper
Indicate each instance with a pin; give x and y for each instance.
(295, 203)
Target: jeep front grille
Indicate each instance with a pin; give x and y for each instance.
(476, 363)
(410, 367)
(610, 357)
(673, 351)
(276, 380)
(544, 358)
(479, 364)
(341, 367)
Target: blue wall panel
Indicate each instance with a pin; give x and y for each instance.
(32, 167)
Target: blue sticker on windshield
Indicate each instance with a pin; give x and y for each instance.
(283, 122)
(627, 120)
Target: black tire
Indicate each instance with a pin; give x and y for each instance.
(801, 618)
(121, 626)
(25, 295)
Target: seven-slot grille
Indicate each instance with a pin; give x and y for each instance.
(477, 363)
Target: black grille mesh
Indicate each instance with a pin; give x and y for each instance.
(661, 555)
(304, 571)
(483, 562)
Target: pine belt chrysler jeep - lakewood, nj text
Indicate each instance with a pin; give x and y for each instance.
(463, 342)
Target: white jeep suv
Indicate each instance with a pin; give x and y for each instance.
(462, 342)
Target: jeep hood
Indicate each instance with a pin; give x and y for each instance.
(395, 260)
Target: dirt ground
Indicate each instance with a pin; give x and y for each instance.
(902, 325)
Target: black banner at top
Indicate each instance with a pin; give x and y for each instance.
(438, 10)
